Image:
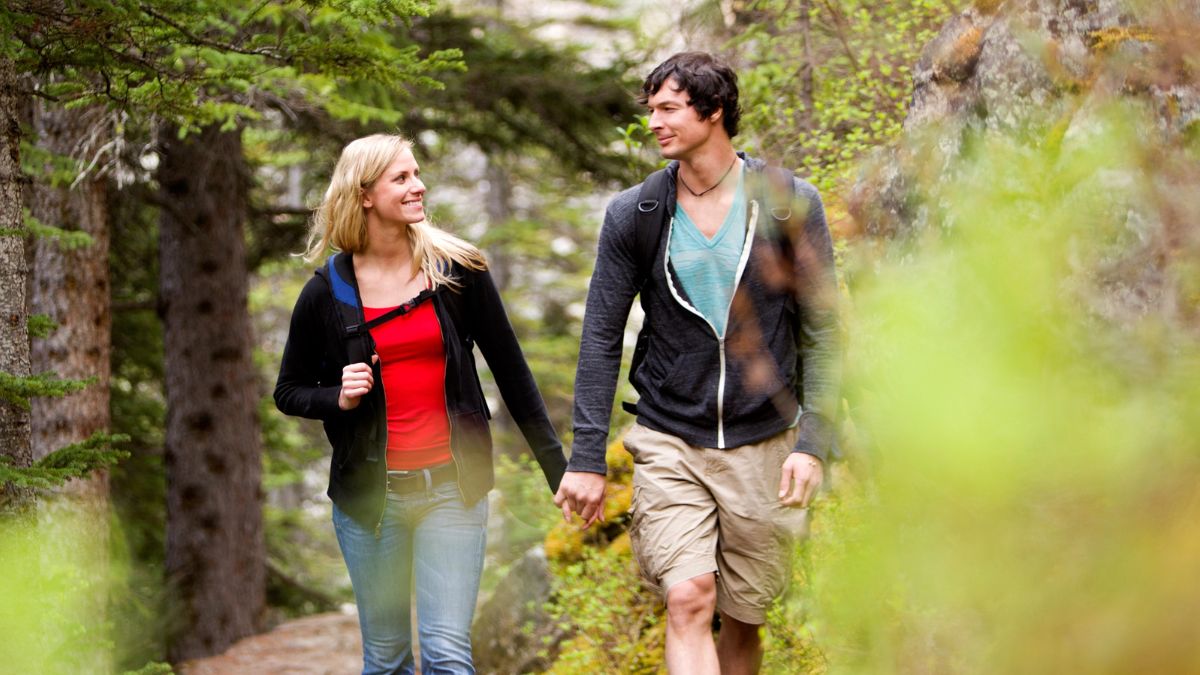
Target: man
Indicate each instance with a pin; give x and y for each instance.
(736, 369)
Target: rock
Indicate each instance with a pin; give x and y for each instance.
(511, 626)
(999, 67)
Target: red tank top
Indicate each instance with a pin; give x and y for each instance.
(413, 363)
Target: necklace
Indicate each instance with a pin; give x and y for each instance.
(714, 187)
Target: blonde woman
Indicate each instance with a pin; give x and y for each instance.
(380, 350)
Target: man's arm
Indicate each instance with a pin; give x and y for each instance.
(818, 348)
(610, 296)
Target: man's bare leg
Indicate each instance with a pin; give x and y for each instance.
(739, 647)
(690, 648)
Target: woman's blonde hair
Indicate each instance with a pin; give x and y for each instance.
(340, 222)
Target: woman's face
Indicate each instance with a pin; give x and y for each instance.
(397, 196)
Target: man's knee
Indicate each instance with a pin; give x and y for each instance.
(693, 599)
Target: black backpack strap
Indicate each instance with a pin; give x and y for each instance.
(649, 221)
(397, 311)
(354, 330)
(349, 310)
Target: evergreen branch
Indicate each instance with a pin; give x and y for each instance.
(198, 40)
(66, 239)
(40, 325)
(18, 390)
(77, 460)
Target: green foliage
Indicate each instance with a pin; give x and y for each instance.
(617, 624)
(1034, 429)
(53, 566)
(66, 239)
(858, 56)
(77, 460)
(525, 504)
(18, 390)
(40, 325)
(216, 61)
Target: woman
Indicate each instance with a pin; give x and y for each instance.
(380, 350)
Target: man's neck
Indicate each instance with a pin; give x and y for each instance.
(704, 167)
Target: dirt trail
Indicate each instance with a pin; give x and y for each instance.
(322, 644)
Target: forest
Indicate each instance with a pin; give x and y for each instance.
(1013, 191)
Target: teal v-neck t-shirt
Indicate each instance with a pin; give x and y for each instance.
(707, 268)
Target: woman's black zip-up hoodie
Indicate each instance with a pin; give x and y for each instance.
(310, 379)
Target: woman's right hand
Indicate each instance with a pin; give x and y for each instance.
(357, 380)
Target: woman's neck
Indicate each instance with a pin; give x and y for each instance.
(387, 247)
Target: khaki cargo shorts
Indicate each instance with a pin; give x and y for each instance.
(700, 510)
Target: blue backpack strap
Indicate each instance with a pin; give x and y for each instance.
(354, 330)
(355, 333)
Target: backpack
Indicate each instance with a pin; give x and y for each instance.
(651, 219)
(355, 330)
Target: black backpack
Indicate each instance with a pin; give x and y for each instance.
(652, 215)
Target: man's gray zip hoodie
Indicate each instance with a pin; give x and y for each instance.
(778, 363)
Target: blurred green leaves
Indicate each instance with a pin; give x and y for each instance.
(1026, 374)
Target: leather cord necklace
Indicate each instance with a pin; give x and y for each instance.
(714, 187)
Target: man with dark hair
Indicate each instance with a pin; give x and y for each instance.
(736, 367)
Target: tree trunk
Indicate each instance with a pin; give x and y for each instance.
(71, 287)
(14, 333)
(807, 89)
(499, 211)
(215, 548)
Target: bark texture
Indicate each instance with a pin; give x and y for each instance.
(215, 548)
(14, 334)
(71, 286)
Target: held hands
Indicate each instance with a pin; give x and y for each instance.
(583, 493)
(357, 380)
(805, 471)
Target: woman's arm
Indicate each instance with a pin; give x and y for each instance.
(498, 343)
(299, 389)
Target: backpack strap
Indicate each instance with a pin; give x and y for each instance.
(649, 221)
(355, 332)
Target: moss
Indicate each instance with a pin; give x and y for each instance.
(564, 542)
(618, 501)
(1106, 40)
(988, 6)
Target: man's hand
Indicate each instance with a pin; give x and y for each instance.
(357, 380)
(583, 493)
(805, 472)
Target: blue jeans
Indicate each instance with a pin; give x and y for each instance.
(431, 542)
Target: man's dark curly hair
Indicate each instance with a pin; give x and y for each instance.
(710, 84)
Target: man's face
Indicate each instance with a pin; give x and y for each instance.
(675, 123)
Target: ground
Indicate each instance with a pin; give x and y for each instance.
(323, 644)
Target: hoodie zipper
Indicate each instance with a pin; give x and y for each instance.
(445, 398)
(737, 280)
(377, 373)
